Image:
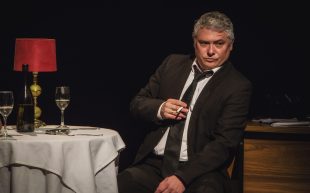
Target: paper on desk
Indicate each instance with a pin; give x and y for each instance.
(291, 124)
(273, 120)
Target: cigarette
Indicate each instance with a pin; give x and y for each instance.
(179, 109)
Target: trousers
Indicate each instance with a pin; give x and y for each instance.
(146, 176)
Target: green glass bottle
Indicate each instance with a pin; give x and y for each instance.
(25, 112)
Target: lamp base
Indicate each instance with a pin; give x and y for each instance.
(38, 123)
(36, 92)
(37, 113)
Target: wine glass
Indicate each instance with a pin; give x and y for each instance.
(6, 107)
(62, 98)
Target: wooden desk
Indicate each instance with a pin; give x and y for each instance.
(276, 159)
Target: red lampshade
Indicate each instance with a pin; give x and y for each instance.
(38, 53)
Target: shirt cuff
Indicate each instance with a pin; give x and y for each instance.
(158, 112)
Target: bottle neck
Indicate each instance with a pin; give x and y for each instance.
(27, 96)
(25, 78)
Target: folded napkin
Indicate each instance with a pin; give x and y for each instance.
(51, 128)
(87, 132)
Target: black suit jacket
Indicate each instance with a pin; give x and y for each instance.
(217, 122)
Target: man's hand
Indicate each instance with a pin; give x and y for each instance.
(173, 109)
(171, 184)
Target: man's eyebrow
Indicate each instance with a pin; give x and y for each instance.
(206, 41)
(203, 41)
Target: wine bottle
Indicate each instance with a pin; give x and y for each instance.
(25, 112)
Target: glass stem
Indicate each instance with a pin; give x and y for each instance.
(5, 132)
(62, 118)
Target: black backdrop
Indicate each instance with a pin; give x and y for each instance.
(107, 51)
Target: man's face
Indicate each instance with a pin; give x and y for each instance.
(212, 48)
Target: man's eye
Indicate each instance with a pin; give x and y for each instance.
(219, 44)
(203, 43)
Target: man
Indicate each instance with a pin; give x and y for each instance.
(212, 123)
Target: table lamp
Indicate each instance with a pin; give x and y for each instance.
(40, 55)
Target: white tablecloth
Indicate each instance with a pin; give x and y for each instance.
(80, 163)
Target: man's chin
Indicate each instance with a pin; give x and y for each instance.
(209, 65)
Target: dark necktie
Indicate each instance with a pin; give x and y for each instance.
(174, 139)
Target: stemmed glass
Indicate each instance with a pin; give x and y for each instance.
(6, 107)
(62, 98)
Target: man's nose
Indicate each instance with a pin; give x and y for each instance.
(210, 50)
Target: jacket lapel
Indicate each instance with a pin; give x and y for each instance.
(184, 71)
(210, 86)
(203, 98)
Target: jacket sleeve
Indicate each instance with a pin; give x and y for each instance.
(146, 103)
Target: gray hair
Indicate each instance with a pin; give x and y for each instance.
(216, 21)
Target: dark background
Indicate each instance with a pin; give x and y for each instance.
(106, 52)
